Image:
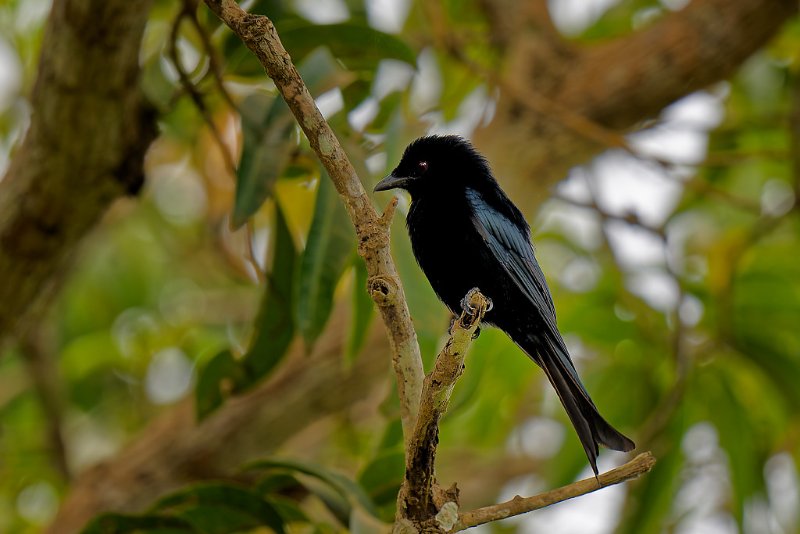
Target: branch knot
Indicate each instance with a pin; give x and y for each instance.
(382, 289)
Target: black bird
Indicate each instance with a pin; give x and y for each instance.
(466, 233)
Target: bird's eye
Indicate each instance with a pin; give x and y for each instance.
(423, 166)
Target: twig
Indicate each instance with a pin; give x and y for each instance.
(211, 52)
(415, 501)
(520, 505)
(194, 93)
(260, 36)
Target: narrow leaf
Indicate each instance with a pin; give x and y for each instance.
(330, 243)
(219, 378)
(274, 327)
(361, 313)
(268, 128)
(194, 500)
(267, 144)
(382, 477)
(340, 483)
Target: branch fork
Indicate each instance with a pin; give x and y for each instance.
(420, 498)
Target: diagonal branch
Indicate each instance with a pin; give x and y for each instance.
(415, 501)
(260, 36)
(520, 505)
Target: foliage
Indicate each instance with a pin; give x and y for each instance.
(165, 300)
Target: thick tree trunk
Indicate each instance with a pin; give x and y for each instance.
(85, 147)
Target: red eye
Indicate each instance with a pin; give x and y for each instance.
(423, 166)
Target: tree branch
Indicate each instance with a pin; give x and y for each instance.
(613, 85)
(520, 505)
(415, 500)
(85, 147)
(260, 36)
(634, 77)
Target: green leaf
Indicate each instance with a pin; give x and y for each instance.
(267, 144)
(288, 509)
(382, 477)
(362, 312)
(219, 378)
(122, 524)
(357, 46)
(233, 507)
(735, 426)
(329, 245)
(276, 483)
(346, 488)
(268, 128)
(273, 331)
(274, 327)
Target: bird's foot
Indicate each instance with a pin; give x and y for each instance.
(476, 333)
(466, 302)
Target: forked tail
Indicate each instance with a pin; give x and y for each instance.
(592, 429)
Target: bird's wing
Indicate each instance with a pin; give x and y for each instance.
(511, 246)
(509, 243)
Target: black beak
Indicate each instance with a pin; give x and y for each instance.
(392, 182)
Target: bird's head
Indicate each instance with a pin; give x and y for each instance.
(444, 163)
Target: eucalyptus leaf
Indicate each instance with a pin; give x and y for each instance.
(204, 505)
(346, 488)
(274, 326)
(218, 378)
(330, 243)
(362, 311)
(269, 134)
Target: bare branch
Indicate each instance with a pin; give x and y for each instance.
(520, 505)
(260, 36)
(192, 90)
(416, 498)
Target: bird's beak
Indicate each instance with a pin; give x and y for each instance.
(392, 182)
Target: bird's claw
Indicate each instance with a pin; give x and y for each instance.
(476, 333)
(466, 302)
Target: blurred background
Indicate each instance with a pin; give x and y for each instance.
(220, 316)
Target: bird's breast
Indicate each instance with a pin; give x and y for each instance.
(450, 251)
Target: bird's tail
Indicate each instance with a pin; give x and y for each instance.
(592, 429)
